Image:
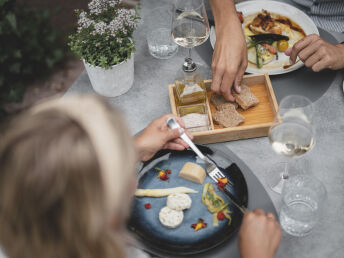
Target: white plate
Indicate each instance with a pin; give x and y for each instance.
(251, 7)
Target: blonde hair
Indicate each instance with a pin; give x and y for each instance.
(65, 169)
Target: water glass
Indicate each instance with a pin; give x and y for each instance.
(159, 40)
(303, 198)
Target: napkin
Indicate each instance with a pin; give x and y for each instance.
(327, 14)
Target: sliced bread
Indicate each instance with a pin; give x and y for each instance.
(218, 100)
(227, 116)
(245, 99)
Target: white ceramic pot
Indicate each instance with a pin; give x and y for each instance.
(112, 82)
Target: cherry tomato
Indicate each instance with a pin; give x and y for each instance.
(282, 45)
(220, 215)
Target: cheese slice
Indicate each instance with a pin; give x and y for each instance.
(163, 192)
(192, 172)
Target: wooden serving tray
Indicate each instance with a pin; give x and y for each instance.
(258, 119)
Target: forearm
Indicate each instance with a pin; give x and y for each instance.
(224, 14)
(140, 148)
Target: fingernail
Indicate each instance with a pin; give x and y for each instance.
(181, 130)
(291, 62)
(239, 88)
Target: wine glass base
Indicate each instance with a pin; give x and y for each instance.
(277, 176)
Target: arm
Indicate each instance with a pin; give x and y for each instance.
(317, 53)
(230, 54)
(259, 235)
(157, 136)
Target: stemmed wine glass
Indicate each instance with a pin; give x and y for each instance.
(292, 135)
(190, 27)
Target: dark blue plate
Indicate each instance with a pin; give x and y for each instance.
(183, 239)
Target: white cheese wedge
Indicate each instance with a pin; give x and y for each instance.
(193, 172)
(170, 218)
(179, 201)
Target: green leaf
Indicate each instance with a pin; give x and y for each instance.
(11, 18)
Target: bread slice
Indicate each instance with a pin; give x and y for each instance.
(245, 99)
(218, 100)
(227, 106)
(227, 116)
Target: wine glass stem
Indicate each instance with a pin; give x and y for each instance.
(190, 53)
(285, 173)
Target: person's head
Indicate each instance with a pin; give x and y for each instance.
(66, 176)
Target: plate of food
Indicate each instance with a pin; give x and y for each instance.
(179, 210)
(270, 28)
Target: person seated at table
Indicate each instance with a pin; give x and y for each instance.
(317, 53)
(67, 177)
(230, 53)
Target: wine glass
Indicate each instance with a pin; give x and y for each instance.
(292, 135)
(190, 27)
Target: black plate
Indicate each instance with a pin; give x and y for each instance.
(183, 240)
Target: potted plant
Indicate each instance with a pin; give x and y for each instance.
(104, 41)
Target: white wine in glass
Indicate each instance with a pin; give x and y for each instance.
(291, 137)
(190, 26)
(188, 34)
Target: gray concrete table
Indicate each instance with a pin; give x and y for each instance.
(148, 99)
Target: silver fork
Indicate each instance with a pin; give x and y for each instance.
(211, 168)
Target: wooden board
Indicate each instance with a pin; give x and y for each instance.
(258, 119)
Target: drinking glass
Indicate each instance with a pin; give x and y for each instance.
(160, 43)
(190, 27)
(291, 136)
(303, 198)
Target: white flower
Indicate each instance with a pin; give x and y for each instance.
(100, 28)
(83, 21)
(125, 19)
(98, 6)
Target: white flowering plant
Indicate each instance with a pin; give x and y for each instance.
(104, 36)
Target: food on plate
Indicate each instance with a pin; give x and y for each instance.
(170, 218)
(282, 45)
(163, 192)
(148, 206)
(269, 34)
(215, 203)
(222, 182)
(193, 172)
(266, 22)
(219, 100)
(228, 116)
(179, 201)
(262, 48)
(199, 225)
(220, 215)
(195, 122)
(245, 99)
(163, 174)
